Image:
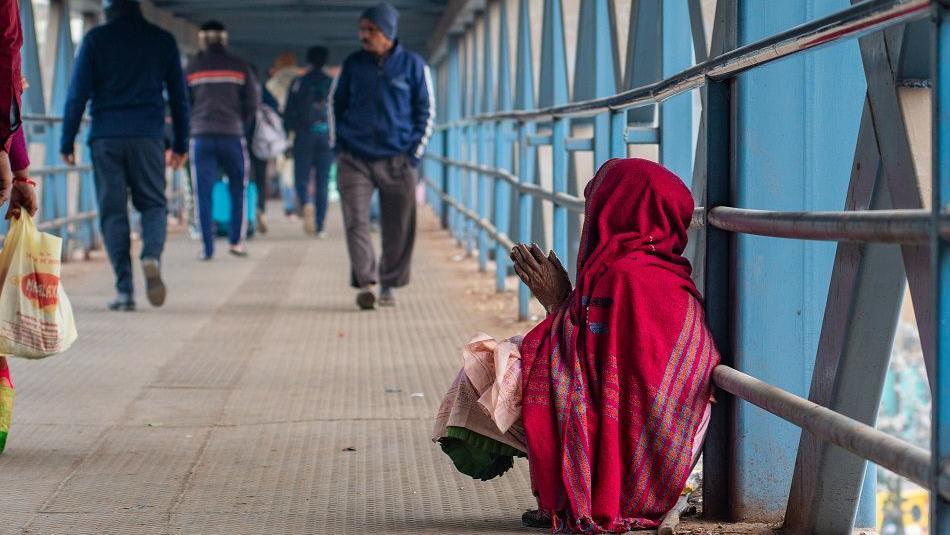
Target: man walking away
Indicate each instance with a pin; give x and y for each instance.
(306, 116)
(224, 99)
(383, 108)
(124, 66)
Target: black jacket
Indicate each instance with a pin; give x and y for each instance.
(225, 93)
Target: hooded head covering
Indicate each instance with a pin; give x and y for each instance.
(385, 17)
(616, 382)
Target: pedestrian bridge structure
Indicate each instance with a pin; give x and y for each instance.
(814, 134)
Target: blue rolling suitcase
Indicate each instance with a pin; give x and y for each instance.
(221, 208)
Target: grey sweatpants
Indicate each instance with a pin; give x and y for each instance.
(395, 178)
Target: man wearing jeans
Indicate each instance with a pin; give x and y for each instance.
(124, 66)
(383, 109)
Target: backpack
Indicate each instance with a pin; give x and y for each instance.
(270, 139)
(307, 103)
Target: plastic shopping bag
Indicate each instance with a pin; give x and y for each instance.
(36, 319)
(6, 402)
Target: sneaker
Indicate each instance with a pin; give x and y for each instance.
(322, 235)
(204, 257)
(123, 302)
(309, 215)
(366, 299)
(387, 298)
(261, 223)
(239, 250)
(154, 287)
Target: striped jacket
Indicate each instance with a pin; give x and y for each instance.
(224, 93)
(383, 108)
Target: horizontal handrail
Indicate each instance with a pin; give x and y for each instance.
(879, 226)
(48, 119)
(860, 226)
(44, 171)
(857, 20)
(860, 439)
(486, 225)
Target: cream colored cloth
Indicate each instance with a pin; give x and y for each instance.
(485, 396)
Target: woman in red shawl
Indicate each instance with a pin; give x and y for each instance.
(616, 380)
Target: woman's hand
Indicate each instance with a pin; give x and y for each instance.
(544, 275)
(22, 197)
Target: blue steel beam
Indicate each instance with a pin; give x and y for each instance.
(809, 107)
(503, 149)
(453, 136)
(485, 132)
(55, 187)
(644, 51)
(593, 78)
(940, 441)
(676, 114)
(553, 92)
(527, 155)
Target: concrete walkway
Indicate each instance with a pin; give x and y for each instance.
(258, 400)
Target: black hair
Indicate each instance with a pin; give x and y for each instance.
(212, 26)
(317, 56)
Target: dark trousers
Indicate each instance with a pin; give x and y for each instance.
(133, 166)
(259, 174)
(210, 156)
(395, 178)
(312, 160)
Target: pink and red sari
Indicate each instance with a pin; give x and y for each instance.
(617, 381)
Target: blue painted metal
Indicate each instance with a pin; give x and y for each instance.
(808, 108)
(33, 101)
(503, 149)
(940, 441)
(55, 187)
(453, 136)
(676, 114)
(618, 134)
(486, 184)
(527, 155)
(553, 91)
(644, 50)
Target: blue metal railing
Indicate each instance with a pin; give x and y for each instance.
(72, 214)
(453, 180)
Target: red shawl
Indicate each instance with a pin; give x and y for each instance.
(616, 381)
(11, 39)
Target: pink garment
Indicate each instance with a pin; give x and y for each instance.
(19, 154)
(494, 370)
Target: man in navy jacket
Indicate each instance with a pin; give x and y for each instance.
(123, 67)
(381, 121)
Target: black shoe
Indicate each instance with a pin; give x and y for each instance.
(366, 299)
(205, 257)
(536, 519)
(154, 287)
(122, 303)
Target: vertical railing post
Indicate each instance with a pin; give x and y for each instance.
(718, 465)
(485, 186)
(940, 508)
(526, 160)
(60, 48)
(559, 179)
(502, 201)
(503, 150)
(453, 143)
(618, 134)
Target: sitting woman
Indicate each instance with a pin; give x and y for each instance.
(615, 383)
